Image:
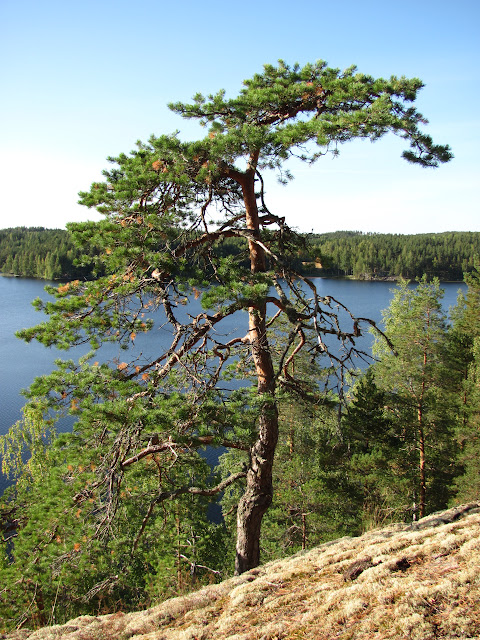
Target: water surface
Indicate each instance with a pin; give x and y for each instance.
(20, 362)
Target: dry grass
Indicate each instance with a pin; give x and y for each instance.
(415, 582)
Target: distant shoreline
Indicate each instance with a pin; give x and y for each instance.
(392, 279)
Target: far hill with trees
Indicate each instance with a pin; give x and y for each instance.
(51, 254)
(37, 252)
(381, 255)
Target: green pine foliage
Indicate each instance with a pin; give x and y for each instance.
(70, 558)
(330, 479)
(374, 455)
(415, 377)
(464, 347)
(315, 499)
(467, 485)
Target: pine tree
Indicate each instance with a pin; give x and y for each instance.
(374, 457)
(60, 567)
(414, 377)
(464, 351)
(157, 245)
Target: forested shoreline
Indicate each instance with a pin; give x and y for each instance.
(37, 252)
(447, 256)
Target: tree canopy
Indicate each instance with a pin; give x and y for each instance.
(168, 206)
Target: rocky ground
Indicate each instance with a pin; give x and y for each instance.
(418, 581)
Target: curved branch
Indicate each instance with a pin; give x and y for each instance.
(294, 353)
(169, 495)
(150, 450)
(198, 491)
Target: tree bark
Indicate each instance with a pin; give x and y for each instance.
(259, 489)
(421, 441)
(422, 465)
(258, 493)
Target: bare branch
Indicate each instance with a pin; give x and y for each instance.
(150, 450)
(199, 491)
(169, 495)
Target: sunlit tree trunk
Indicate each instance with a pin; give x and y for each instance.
(422, 466)
(421, 434)
(259, 490)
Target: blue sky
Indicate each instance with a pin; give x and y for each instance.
(84, 80)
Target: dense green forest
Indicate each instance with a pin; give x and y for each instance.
(51, 254)
(40, 253)
(376, 255)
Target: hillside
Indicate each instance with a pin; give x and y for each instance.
(51, 254)
(419, 581)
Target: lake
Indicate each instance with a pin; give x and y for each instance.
(20, 362)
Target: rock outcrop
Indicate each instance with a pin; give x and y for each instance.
(418, 581)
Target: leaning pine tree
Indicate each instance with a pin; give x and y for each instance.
(168, 207)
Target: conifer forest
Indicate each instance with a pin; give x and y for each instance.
(52, 255)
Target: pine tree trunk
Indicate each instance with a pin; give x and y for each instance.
(259, 490)
(421, 443)
(422, 470)
(258, 493)
(304, 531)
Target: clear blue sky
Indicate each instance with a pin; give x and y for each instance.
(84, 80)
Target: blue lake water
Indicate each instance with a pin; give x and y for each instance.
(20, 362)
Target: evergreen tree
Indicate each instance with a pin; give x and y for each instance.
(158, 245)
(374, 455)
(366, 255)
(467, 485)
(414, 376)
(43, 253)
(68, 559)
(315, 499)
(464, 350)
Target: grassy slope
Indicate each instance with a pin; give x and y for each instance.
(417, 581)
